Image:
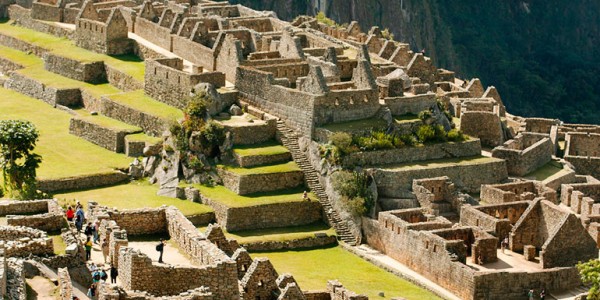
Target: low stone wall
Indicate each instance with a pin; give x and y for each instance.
(257, 160)
(92, 72)
(7, 65)
(252, 134)
(410, 104)
(316, 241)
(152, 125)
(202, 219)
(137, 272)
(38, 90)
(585, 165)
(19, 241)
(254, 183)
(65, 287)
(140, 221)
(3, 275)
(20, 45)
(111, 139)
(121, 80)
(22, 17)
(82, 182)
(114, 292)
(396, 183)
(48, 222)
(265, 216)
(410, 154)
(522, 162)
(16, 207)
(16, 286)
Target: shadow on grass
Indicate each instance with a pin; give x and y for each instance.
(319, 226)
(127, 58)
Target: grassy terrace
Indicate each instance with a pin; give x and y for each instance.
(59, 244)
(438, 163)
(141, 137)
(128, 64)
(270, 169)
(265, 149)
(223, 195)
(24, 59)
(106, 122)
(546, 171)
(312, 269)
(138, 100)
(277, 234)
(136, 194)
(358, 125)
(63, 154)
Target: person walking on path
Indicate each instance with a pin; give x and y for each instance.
(543, 294)
(530, 294)
(79, 219)
(70, 214)
(113, 274)
(89, 230)
(95, 231)
(160, 248)
(105, 249)
(88, 248)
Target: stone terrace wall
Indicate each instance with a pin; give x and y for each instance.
(38, 90)
(140, 221)
(410, 154)
(92, 72)
(151, 124)
(3, 275)
(108, 138)
(22, 17)
(16, 207)
(253, 183)
(410, 104)
(65, 286)
(137, 272)
(53, 220)
(24, 241)
(520, 162)
(81, 182)
(484, 125)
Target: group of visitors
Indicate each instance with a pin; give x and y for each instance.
(77, 215)
(100, 275)
(531, 294)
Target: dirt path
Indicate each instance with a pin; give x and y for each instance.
(41, 289)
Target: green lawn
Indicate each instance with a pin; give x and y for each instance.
(278, 168)
(63, 154)
(546, 171)
(136, 194)
(22, 58)
(265, 149)
(358, 125)
(462, 161)
(128, 64)
(106, 122)
(141, 137)
(312, 269)
(59, 244)
(138, 100)
(223, 195)
(278, 234)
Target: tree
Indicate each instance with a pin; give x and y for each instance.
(590, 274)
(18, 163)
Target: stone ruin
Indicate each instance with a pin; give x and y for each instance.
(299, 81)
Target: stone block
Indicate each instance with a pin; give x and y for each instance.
(529, 252)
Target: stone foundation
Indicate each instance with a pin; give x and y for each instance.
(254, 183)
(92, 72)
(82, 182)
(51, 95)
(23, 241)
(111, 139)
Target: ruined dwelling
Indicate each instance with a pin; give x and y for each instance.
(442, 209)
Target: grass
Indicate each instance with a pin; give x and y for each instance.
(128, 64)
(106, 122)
(269, 169)
(462, 161)
(141, 137)
(358, 125)
(312, 269)
(80, 157)
(138, 100)
(546, 171)
(136, 194)
(21, 58)
(278, 234)
(408, 118)
(59, 244)
(265, 149)
(223, 195)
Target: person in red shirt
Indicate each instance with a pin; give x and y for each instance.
(70, 214)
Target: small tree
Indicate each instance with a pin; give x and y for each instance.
(18, 163)
(590, 274)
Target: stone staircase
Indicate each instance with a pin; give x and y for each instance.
(290, 140)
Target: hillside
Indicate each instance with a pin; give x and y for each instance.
(542, 55)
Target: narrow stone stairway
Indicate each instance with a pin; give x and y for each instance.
(290, 140)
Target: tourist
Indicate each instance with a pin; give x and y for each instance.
(543, 294)
(88, 248)
(305, 196)
(78, 205)
(70, 214)
(95, 232)
(160, 248)
(96, 276)
(79, 218)
(93, 267)
(105, 249)
(92, 291)
(113, 274)
(530, 294)
(89, 230)
(103, 275)
(504, 244)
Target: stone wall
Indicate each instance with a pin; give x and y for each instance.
(81, 182)
(396, 183)
(22, 17)
(495, 219)
(515, 191)
(65, 287)
(317, 241)
(121, 80)
(254, 183)
(484, 125)
(3, 275)
(271, 215)
(17, 207)
(413, 154)
(35, 89)
(109, 138)
(137, 221)
(23, 241)
(540, 125)
(252, 133)
(410, 104)
(44, 215)
(138, 272)
(152, 125)
(526, 153)
(92, 72)
(16, 286)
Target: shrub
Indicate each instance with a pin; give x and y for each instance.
(440, 133)
(212, 135)
(354, 186)
(195, 163)
(195, 112)
(356, 206)
(425, 133)
(343, 141)
(456, 135)
(425, 115)
(408, 139)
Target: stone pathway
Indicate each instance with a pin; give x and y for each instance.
(381, 260)
(171, 255)
(41, 288)
(508, 262)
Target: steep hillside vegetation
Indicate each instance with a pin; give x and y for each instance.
(543, 56)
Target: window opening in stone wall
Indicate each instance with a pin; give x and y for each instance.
(434, 248)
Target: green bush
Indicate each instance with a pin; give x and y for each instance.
(195, 112)
(354, 187)
(408, 139)
(343, 141)
(440, 133)
(425, 115)
(456, 135)
(195, 163)
(425, 133)
(212, 135)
